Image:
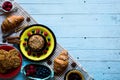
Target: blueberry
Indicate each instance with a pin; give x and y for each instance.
(48, 38)
(26, 48)
(25, 39)
(33, 31)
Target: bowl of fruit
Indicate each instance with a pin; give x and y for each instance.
(7, 6)
(38, 72)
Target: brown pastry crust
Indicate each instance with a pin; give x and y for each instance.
(9, 60)
(61, 62)
(10, 23)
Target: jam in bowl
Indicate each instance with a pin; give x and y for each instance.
(7, 6)
(74, 74)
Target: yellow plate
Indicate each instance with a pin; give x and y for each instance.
(50, 40)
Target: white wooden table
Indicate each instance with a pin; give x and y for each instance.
(88, 29)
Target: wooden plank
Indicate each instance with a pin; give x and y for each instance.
(70, 1)
(65, 9)
(80, 20)
(106, 76)
(101, 67)
(90, 43)
(83, 32)
(96, 55)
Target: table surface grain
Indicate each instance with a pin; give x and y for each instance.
(88, 29)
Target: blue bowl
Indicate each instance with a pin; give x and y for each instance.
(38, 72)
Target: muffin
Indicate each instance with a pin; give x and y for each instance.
(36, 42)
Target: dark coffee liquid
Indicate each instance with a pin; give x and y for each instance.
(74, 76)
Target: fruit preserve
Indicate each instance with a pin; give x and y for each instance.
(74, 75)
(7, 6)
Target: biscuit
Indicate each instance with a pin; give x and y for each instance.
(9, 60)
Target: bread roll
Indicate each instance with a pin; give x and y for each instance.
(61, 62)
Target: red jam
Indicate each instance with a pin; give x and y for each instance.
(7, 6)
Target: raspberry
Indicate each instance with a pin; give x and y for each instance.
(48, 44)
(29, 34)
(31, 67)
(7, 9)
(9, 5)
(29, 53)
(45, 33)
(27, 74)
(24, 44)
(37, 31)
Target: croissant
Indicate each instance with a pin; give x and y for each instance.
(61, 62)
(10, 23)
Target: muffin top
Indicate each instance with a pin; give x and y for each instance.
(36, 42)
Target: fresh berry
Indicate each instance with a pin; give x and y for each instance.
(29, 53)
(32, 71)
(33, 31)
(47, 48)
(8, 9)
(48, 44)
(41, 32)
(28, 71)
(3, 6)
(38, 54)
(48, 39)
(37, 31)
(33, 54)
(27, 74)
(24, 44)
(26, 48)
(25, 39)
(32, 67)
(9, 5)
(45, 33)
(29, 34)
(45, 51)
